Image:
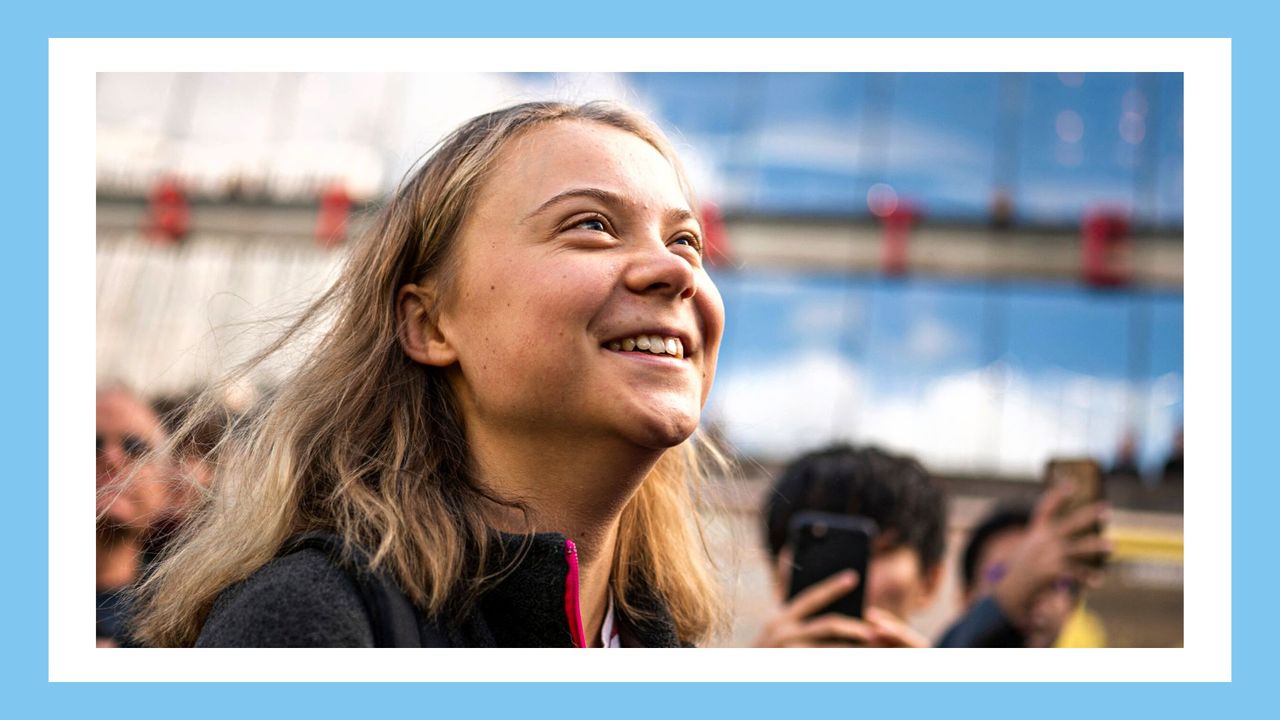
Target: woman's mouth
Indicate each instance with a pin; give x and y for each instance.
(652, 344)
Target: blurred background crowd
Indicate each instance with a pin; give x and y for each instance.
(982, 272)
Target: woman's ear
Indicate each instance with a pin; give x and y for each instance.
(420, 333)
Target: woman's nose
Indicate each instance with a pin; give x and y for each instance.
(658, 268)
(112, 459)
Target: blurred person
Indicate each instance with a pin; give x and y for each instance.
(904, 571)
(1125, 465)
(192, 457)
(1172, 471)
(192, 454)
(494, 428)
(132, 495)
(1024, 570)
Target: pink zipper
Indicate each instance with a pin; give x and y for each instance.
(572, 607)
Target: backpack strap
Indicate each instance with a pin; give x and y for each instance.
(391, 615)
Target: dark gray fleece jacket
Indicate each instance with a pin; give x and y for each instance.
(302, 599)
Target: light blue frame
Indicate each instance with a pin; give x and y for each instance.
(24, 427)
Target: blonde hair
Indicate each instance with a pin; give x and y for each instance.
(364, 442)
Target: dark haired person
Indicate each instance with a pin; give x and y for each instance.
(905, 569)
(1172, 471)
(1023, 572)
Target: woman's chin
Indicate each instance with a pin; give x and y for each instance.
(662, 432)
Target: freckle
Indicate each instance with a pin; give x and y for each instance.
(491, 287)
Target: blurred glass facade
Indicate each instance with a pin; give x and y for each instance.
(975, 377)
(1058, 144)
(980, 375)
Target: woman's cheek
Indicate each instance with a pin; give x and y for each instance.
(712, 320)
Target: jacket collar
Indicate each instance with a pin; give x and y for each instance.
(526, 606)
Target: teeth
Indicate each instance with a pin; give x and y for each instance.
(655, 344)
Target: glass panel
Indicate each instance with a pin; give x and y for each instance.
(942, 142)
(787, 379)
(1072, 157)
(971, 377)
(806, 148)
(927, 392)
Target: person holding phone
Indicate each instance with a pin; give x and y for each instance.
(496, 413)
(899, 576)
(1024, 571)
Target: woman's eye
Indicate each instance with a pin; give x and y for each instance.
(591, 224)
(688, 240)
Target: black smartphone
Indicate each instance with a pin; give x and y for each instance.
(825, 544)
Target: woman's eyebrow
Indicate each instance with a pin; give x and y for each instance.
(606, 197)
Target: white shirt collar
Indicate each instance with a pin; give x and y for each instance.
(608, 630)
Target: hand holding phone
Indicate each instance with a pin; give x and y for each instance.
(824, 545)
(1063, 542)
(803, 622)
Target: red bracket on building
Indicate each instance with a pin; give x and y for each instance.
(168, 215)
(897, 223)
(715, 239)
(335, 210)
(1105, 248)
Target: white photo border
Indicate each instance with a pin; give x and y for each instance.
(1206, 64)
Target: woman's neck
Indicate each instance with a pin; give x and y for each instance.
(578, 490)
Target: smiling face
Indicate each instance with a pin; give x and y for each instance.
(579, 260)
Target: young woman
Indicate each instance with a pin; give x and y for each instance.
(496, 415)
